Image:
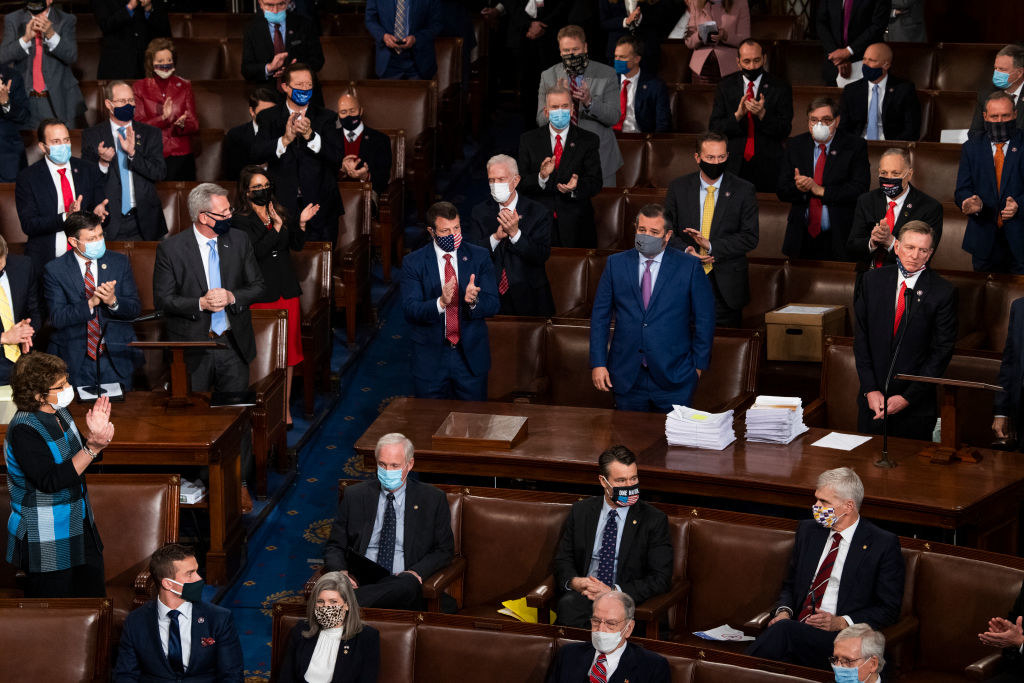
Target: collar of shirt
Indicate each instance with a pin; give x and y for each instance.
(185, 608)
(881, 87)
(847, 533)
(283, 24)
(203, 241)
(756, 82)
(817, 146)
(611, 660)
(900, 201)
(1016, 93)
(512, 204)
(399, 494)
(911, 281)
(347, 134)
(643, 264)
(717, 184)
(552, 132)
(291, 106)
(255, 127)
(54, 167)
(996, 145)
(113, 131)
(81, 265)
(632, 79)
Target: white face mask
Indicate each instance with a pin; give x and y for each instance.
(501, 192)
(820, 132)
(604, 641)
(64, 398)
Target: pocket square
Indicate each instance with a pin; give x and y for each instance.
(207, 642)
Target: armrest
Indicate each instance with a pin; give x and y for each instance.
(349, 255)
(436, 584)
(140, 588)
(652, 612)
(985, 668)
(758, 623)
(307, 589)
(265, 386)
(736, 403)
(816, 413)
(901, 630)
(540, 596)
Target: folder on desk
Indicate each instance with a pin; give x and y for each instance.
(365, 570)
(219, 399)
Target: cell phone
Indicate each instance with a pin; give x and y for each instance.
(360, 165)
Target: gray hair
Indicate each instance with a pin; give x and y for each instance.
(624, 598)
(898, 152)
(504, 160)
(1015, 52)
(845, 483)
(334, 581)
(872, 642)
(200, 197)
(393, 438)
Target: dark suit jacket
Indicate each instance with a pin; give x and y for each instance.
(358, 656)
(429, 544)
(1011, 370)
(574, 222)
(35, 196)
(553, 13)
(573, 661)
(734, 229)
(125, 37)
(901, 110)
(529, 292)
(977, 176)
(69, 313)
(141, 658)
(928, 328)
(871, 208)
(978, 123)
(147, 168)
(868, 21)
(12, 149)
(645, 551)
(658, 20)
(236, 152)
(425, 23)
(300, 39)
(846, 177)
(24, 301)
(273, 252)
(650, 104)
(871, 585)
(374, 149)
(1013, 662)
(421, 288)
(179, 280)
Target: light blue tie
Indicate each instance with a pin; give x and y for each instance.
(872, 133)
(126, 175)
(219, 319)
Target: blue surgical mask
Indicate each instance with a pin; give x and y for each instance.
(275, 17)
(559, 118)
(301, 97)
(59, 154)
(845, 675)
(1001, 79)
(621, 67)
(389, 479)
(94, 250)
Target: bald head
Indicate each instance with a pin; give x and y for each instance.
(877, 56)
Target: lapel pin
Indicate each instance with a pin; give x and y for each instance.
(920, 293)
(728, 194)
(644, 87)
(832, 152)
(1013, 149)
(864, 547)
(465, 258)
(103, 266)
(201, 620)
(346, 649)
(634, 521)
(415, 507)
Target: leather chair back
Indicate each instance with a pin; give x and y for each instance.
(609, 207)
(681, 669)
(568, 362)
(1000, 293)
(481, 653)
(210, 143)
(312, 267)
(10, 224)
(55, 640)
(838, 377)
(88, 62)
(204, 59)
(767, 277)
(953, 110)
(799, 63)
(448, 52)
(346, 58)
(517, 357)
(397, 153)
(804, 94)
(693, 108)
(143, 260)
(675, 61)
(396, 638)
(221, 104)
(270, 327)
(915, 62)
(964, 67)
(820, 282)
(407, 105)
(92, 94)
(971, 290)
(735, 357)
(722, 672)
(355, 222)
(935, 168)
(768, 27)
(566, 269)
(455, 513)
(207, 25)
(669, 156)
(632, 147)
(772, 217)
(596, 262)
(950, 255)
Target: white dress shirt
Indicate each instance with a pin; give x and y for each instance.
(531, 8)
(911, 283)
(5, 284)
(629, 124)
(703, 196)
(61, 238)
(204, 256)
(757, 85)
(900, 201)
(831, 597)
(105, 167)
(353, 135)
(314, 142)
(511, 207)
(440, 253)
(95, 275)
(325, 656)
(552, 132)
(611, 661)
(881, 98)
(1016, 94)
(163, 624)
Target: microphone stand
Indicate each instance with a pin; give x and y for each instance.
(98, 387)
(884, 461)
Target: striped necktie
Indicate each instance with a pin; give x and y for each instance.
(599, 672)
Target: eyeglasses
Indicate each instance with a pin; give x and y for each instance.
(613, 625)
(843, 661)
(123, 101)
(267, 186)
(230, 212)
(60, 387)
(828, 121)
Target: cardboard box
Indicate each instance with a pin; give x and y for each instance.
(795, 334)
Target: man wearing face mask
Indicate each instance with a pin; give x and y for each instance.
(609, 653)
(395, 521)
(844, 570)
(1007, 77)
(989, 182)
(86, 289)
(643, 98)
(880, 106)
(276, 37)
(823, 173)
(516, 231)
(611, 542)
(367, 152)
(195, 640)
(858, 655)
(127, 28)
(719, 238)
(131, 155)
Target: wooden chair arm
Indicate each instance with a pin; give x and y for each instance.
(540, 596)
(985, 668)
(816, 413)
(901, 630)
(653, 611)
(757, 623)
(436, 584)
(141, 589)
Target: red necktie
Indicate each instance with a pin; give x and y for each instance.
(748, 150)
(94, 322)
(278, 39)
(814, 211)
(623, 104)
(38, 84)
(451, 311)
(65, 189)
(820, 583)
(890, 219)
(598, 672)
(558, 150)
(901, 302)
(503, 284)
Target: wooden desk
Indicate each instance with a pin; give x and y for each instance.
(979, 501)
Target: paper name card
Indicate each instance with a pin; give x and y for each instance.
(475, 431)
(841, 442)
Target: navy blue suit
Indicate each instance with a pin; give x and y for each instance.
(1011, 371)
(24, 286)
(661, 334)
(440, 371)
(12, 149)
(215, 656)
(64, 287)
(650, 104)
(425, 23)
(992, 248)
(573, 662)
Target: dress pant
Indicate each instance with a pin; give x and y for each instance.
(725, 315)
(456, 381)
(401, 591)
(120, 370)
(901, 425)
(791, 641)
(574, 610)
(646, 395)
(84, 581)
(1001, 259)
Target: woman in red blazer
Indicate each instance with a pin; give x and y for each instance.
(165, 100)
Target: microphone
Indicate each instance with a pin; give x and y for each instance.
(155, 315)
(98, 387)
(884, 461)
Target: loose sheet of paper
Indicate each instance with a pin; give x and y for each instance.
(842, 442)
(723, 632)
(806, 310)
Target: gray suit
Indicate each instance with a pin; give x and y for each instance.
(909, 26)
(602, 115)
(60, 82)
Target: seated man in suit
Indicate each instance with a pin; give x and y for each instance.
(448, 292)
(152, 644)
(882, 212)
(561, 169)
(609, 652)
(204, 280)
(861, 649)
(367, 152)
(1008, 635)
(1007, 77)
(404, 42)
(19, 308)
(823, 173)
(50, 189)
(988, 183)
(13, 116)
(131, 155)
(643, 97)
(719, 238)
(754, 109)
(397, 522)
(844, 570)
(275, 38)
(613, 541)
(880, 106)
(664, 312)
(914, 307)
(86, 288)
(517, 233)
(236, 152)
(845, 31)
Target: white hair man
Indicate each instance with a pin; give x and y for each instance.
(858, 655)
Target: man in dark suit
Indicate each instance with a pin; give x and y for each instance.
(611, 541)
(822, 175)
(1006, 404)
(131, 155)
(1007, 77)
(532, 43)
(856, 577)
(401, 524)
(516, 231)
(302, 160)
(915, 308)
(127, 29)
(19, 308)
(988, 183)
(880, 106)
(1008, 635)
(882, 212)
(48, 190)
(448, 292)
(609, 656)
(204, 280)
(275, 38)
(404, 41)
(664, 313)
(85, 289)
(846, 28)
(13, 116)
(367, 152)
(561, 169)
(754, 109)
(236, 152)
(643, 97)
(713, 216)
(152, 647)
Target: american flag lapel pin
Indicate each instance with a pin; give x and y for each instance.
(201, 620)
(465, 258)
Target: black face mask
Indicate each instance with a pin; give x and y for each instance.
(575, 65)
(1001, 131)
(350, 122)
(753, 74)
(891, 187)
(35, 7)
(260, 197)
(712, 171)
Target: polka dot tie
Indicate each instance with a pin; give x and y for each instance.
(606, 558)
(386, 554)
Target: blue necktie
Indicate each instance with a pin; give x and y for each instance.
(872, 132)
(174, 643)
(386, 552)
(126, 175)
(606, 559)
(219, 319)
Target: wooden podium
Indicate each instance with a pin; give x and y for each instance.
(179, 394)
(950, 448)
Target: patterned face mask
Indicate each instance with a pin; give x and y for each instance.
(330, 616)
(825, 516)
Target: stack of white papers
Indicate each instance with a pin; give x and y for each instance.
(192, 492)
(775, 419)
(723, 632)
(688, 427)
